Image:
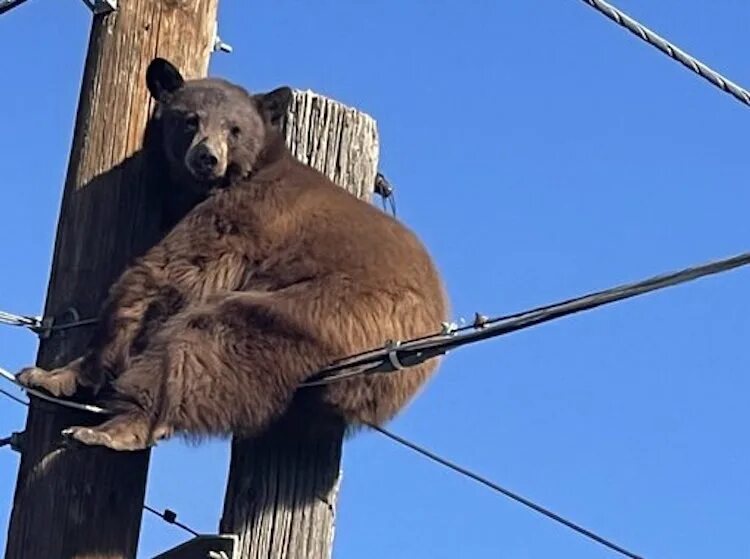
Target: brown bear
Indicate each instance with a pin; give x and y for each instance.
(273, 272)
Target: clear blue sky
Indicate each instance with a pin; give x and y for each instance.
(541, 152)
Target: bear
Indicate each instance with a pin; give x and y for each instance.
(269, 273)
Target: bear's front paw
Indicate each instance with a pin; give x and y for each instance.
(60, 382)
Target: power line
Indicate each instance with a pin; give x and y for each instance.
(25, 403)
(13, 397)
(60, 401)
(10, 319)
(401, 355)
(170, 517)
(73, 324)
(44, 326)
(514, 496)
(670, 50)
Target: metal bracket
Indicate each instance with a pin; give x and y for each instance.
(386, 192)
(44, 330)
(101, 6)
(392, 346)
(382, 186)
(66, 320)
(223, 546)
(15, 442)
(218, 44)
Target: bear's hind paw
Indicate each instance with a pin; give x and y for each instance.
(121, 440)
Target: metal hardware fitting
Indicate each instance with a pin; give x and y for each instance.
(98, 7)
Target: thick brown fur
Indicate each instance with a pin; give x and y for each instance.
(271, 276)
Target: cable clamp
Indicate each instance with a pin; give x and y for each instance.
(448, 328)
(392, 347)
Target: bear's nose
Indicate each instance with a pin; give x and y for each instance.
(204, 158)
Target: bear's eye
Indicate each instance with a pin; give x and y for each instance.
(235, 131)
(191, 122)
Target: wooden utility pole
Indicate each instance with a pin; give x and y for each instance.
(282, 488)
(87, 503)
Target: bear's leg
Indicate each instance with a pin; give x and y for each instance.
(60, 382)
(230, 366)
(134, 424)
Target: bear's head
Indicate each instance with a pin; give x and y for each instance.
(211, 132)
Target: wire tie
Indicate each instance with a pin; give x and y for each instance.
(392, 347)
(480, 321)
(447, 328)
(49, 324)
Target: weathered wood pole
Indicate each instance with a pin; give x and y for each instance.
(282, 488)
(87, 503)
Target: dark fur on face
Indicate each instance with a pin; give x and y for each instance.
(260, 285)
(212, 131)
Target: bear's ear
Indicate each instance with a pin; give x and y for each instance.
(163, 79)
(274, 104)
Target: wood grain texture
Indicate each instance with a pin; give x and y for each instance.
(282, 487)
(87, 503)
